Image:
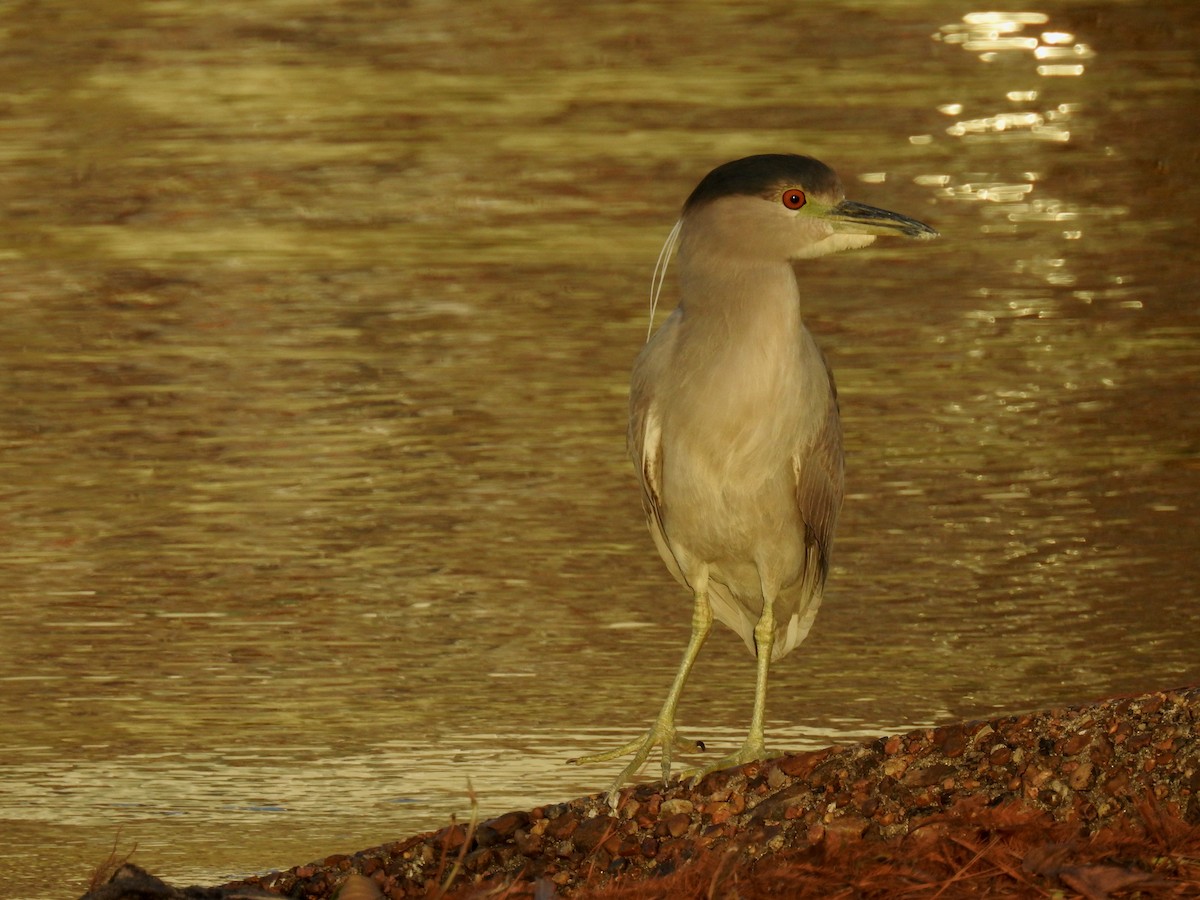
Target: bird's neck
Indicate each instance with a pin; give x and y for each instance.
(740, 363)
(753, 301)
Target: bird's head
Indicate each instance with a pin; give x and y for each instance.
(777, 207)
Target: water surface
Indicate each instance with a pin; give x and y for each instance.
(318, 323)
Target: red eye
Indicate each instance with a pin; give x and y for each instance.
(793, 199)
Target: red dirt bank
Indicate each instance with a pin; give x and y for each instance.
(1095, 801)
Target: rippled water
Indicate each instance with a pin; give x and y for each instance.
(318, 321)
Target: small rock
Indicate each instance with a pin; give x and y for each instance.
(678, 824)
(801, 764)
(719, 812)
(485, 836)
(985, 731)
(562, 827)
(1076, 743)
(950, 740)
(848, 825)
(506, 824)
(776, 778)
(676, 806)
(591, 832)
(528, 843)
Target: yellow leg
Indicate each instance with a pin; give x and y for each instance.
(662, 732)
(754, 747)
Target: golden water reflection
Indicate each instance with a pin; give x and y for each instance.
(318, 324)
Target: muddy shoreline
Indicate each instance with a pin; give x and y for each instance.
(1094, 799)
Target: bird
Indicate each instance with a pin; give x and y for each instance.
(734, 426)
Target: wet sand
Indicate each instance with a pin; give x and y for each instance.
(1089, 800)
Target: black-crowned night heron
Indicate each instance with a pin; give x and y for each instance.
(733, 418)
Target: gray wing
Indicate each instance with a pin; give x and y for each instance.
(644, 439)
(819, 486)
(818, 468)
(643, 447)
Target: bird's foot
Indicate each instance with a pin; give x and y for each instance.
(751, 751)
(661, 734)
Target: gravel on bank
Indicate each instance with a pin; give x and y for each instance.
(1095, 800)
